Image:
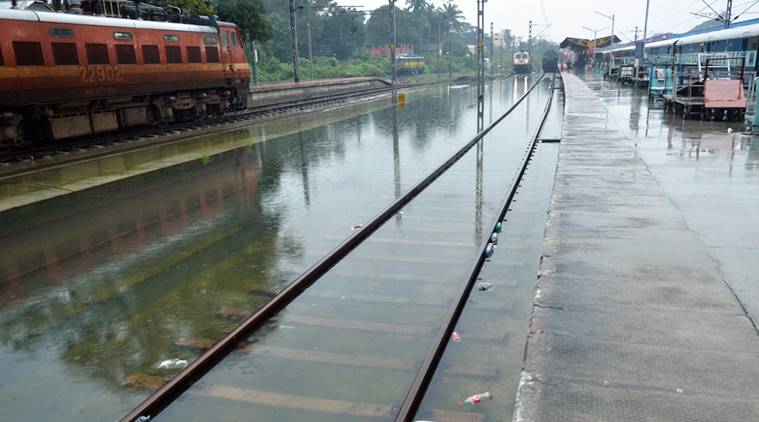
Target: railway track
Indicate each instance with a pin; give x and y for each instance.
(175, 131)
(373, 247)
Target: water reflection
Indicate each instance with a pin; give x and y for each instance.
(102, 285)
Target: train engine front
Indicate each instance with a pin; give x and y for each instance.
(522, 63)
(65, 76)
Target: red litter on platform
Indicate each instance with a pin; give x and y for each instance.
(478, 398)
(456, 337)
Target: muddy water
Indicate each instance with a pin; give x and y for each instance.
(99, 286)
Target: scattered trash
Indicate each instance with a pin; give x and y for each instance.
(477, 398)
(489, 250)
(142, 419)
(729, 130)
(499, 227)
(456, 337)
(484, 287)
(357, 226)
(606, 382)
(679, 391)
(494, 238)
(173, 364)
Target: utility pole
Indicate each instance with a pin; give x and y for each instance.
(480, 65)
(492, 46)
(728, 13)
(635, 40)
(612, 18)
(529, 40)
(310, 51)
(255, 62)
(393, 41)
(645, 31)
(294, 41)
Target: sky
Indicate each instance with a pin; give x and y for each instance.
(567, 17)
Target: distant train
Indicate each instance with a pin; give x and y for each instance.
(522, 63)
(65, 75)
(410, 65)
(550, 61)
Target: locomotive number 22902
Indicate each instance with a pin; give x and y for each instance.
(96, 74)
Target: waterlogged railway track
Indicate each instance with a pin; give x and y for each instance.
(346, 348)
(95, 146)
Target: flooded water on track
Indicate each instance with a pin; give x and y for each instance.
(99, 287)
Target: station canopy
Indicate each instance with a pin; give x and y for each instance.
(583, 43)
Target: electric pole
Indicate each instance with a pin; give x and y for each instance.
(645, 31)
(294, 41)
(492, 46)
(393, 40)
(480, 65)
(310, 51)
(529, 40)
(728, 13)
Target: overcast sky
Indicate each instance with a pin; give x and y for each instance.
(568, 16)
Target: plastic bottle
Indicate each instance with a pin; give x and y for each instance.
(477, 398)
(173, 364)
(489, 250)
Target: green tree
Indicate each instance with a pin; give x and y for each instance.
(249, 15)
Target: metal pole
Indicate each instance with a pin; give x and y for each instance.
(310, 51)
(255, 63)
(728, 13)
(592, 57)
(611, 56)
(492, 46)
(393, 40)
(529, 40)
(480, 65)
(450, 57)
(645, 30)
(294, 41)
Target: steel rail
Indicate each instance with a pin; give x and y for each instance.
(162, 398)
(416, 393)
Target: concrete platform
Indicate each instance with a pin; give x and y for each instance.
(635, 317)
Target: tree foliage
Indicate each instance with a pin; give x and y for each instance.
(249, 15)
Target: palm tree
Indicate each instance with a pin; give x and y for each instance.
(453, 17)
(416, 6)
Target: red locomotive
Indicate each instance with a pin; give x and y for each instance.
(65, 75)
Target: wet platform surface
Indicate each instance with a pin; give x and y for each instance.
(644, 304)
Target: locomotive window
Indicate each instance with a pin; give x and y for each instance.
(65, 54)
(123, 36)
(224, 40)
(60, 33)
(28, 53)
(97, 53)
(233, 35)
(211, 39)
(212, 54)
(125, 54)
(171, 37)
(193, 54)
(173, 54)
(150, 54)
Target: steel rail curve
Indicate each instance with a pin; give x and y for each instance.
(426, 372)
(163, 397)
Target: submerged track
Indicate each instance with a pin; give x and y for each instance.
(208, 360)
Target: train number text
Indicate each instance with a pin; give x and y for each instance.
(97, 74)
